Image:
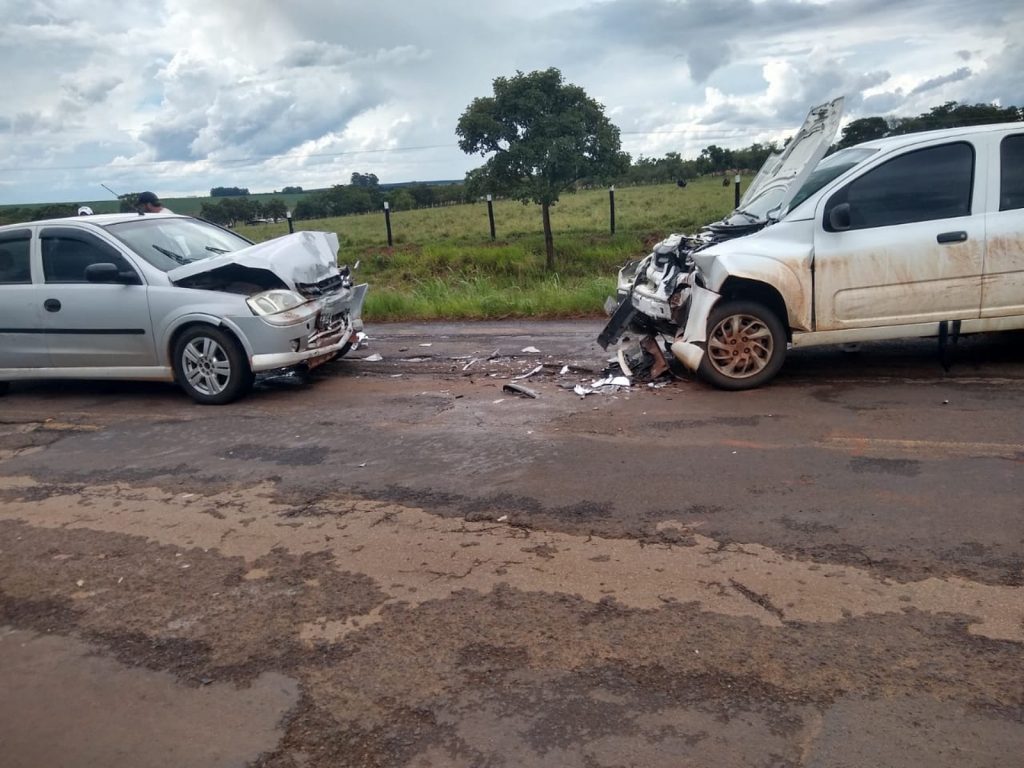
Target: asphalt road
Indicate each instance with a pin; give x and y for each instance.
(395, 562)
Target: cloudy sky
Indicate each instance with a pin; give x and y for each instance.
(183, 95)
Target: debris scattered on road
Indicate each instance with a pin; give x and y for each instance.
(80, 583)
(528, 374)
(607, 386)
(499, 400)
(467, 365)
(520, 390)
(531, 350)
(503, 518)
(374, 358)
(565, 370)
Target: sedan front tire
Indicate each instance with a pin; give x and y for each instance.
(211, 366)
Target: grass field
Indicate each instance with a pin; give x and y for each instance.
(444, 265)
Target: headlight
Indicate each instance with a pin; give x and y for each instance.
(272, 302)
(281, 307)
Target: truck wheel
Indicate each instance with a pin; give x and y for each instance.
(745, 348)
(210, 365)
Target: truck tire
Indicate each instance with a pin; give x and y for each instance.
(746, 346)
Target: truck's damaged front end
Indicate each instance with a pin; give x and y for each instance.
(667, 295)
(664, 295)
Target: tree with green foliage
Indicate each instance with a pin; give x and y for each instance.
(364, 180)
(228, 191)
(542, 135)
(863, 129)
(275, 208)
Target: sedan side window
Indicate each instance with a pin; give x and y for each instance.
(14, 257)
(67, 252)
(923, 185)
(1011, 179)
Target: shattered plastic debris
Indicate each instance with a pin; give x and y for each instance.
(623, 365)
(565, 370)
(606, 386)
(503, 518)
(428, 344)
(467, 365)
(374, 358)
(532, 350)
(520, 390)
(528, 374)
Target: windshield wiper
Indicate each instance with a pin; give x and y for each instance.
(749, 215)
(216, 250)
(171, 255)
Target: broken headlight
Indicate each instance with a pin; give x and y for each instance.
(275, 306)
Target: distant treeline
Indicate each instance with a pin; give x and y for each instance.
(364, 193)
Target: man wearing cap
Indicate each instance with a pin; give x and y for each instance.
(150, 203)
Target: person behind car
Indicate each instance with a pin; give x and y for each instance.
(149, 203)
(84, 210)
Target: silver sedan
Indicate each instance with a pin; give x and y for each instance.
(166, 297)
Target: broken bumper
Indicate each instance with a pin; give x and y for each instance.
(313, 340)
(644, 309)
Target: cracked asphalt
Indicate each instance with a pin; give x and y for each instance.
(396, 563)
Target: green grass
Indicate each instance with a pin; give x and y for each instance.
(444, 265)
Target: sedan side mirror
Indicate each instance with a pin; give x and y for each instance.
(839, 218)
(106, 272)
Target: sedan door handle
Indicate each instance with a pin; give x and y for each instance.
(952, 237)
(51, 305)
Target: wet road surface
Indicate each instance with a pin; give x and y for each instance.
(396, 563)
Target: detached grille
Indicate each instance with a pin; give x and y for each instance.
(325, 286)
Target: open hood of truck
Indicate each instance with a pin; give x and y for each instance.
(299, 258)
(784, 173)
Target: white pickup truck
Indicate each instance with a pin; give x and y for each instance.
(908, 236)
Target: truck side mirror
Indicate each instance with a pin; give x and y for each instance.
(839, 217)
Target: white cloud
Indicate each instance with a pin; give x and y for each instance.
(184, 95)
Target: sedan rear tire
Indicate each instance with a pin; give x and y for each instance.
(746, 346)
(211, 366)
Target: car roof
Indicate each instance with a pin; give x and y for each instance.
(96, 219)
(907, 139)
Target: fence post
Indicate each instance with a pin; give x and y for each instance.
(736, 181)
(291, 227)
(611, 206)
(387, 220)
(490, 215)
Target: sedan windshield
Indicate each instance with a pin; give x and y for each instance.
(167, 242)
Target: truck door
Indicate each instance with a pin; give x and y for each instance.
(901, 243)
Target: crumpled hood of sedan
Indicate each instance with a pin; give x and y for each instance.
(302, 257)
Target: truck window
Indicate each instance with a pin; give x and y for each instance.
(923, 185)
(1011, 177)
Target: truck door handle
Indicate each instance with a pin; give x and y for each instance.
(952, 237)
(51, 305)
